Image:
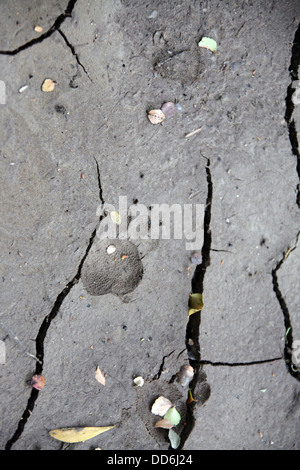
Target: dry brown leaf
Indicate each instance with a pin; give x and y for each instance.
(99, 376)
(164, 423)
(156, 116)
(48, 85)
(161, 406)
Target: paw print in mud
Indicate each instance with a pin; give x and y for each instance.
(112, 266)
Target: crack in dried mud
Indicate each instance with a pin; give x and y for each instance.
(239, 364)
(55, 27)
(286, 313)
(293, 69)
(41, 336)
(72, 48)
(193, 326)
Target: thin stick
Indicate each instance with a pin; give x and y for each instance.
(11, 333)
(193, 132)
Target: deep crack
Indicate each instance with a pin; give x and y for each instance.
(286, 314)
(161, 368)
(193, 326)
(41, 336)
(239, 364)
(293, 69)
(56, 25)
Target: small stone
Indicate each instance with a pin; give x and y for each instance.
(196, 258)
(169, 109)
(139, 381)
(38, 29)
(110, 249)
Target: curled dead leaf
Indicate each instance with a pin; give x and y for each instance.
(99, 376)
(161, 406)
(164, 423)
(190, 399)
(195, 303)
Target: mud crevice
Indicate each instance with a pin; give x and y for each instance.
(193, 326)
(42, 333)
(55, 27)
(72, 48)
(99, 182)
(162, 365)
(286, 314)
(240, 364)
(293, 136)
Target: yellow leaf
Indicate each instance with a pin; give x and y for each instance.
(190, 397)
(195, 303)
(115, 217)
(79, 434)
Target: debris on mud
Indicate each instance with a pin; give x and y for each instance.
(161, 406)
(208, 43)
(174, 439)
(48, 85)
(185, 375)
(156, 116)
(38, 382)
(169, 109)
(195, 303)
(190, 134)
(79, 434)
(138, 381)
(99, 376)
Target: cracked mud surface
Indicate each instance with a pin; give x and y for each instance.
(110, 64)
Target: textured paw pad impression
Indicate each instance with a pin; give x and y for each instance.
(112, 266)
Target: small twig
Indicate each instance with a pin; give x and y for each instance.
(12, 334)
(159, 64)
(193, 132)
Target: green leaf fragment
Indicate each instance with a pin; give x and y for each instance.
(208, 43)
(173, 416)
(174, 439)
(195, 303)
